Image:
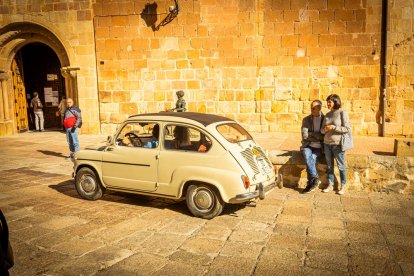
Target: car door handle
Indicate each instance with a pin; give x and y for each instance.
(109, 149)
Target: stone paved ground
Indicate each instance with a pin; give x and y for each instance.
(54, 232)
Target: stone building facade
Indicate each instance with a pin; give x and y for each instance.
(260, 62)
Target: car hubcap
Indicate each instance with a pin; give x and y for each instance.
(203, 199)
(87, 183)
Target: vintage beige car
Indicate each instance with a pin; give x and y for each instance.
(207, 159)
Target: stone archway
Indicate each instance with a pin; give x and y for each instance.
(13, 37)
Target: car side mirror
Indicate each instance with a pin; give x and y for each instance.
(109, 141)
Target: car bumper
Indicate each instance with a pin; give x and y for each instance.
(259, 193)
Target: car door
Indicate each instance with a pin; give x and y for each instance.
(126, 165)
(184, 148)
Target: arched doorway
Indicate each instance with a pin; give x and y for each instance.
(32, 58)
(41, 73)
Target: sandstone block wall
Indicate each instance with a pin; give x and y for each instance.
(260, 62)
(400, 104)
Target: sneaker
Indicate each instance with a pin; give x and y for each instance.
(315, 183)
(328, 189)
(341, 191)
(307, 189)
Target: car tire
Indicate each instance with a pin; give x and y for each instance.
(87, 184)
(203, 201)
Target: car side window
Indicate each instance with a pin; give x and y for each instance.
(139, 134)
(178, 137)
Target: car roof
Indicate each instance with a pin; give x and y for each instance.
(202, 118)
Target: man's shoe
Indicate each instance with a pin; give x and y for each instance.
(312, 188)
(315, 183)
(327, 189)
(307, 188)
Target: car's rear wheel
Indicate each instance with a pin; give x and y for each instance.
(87, 184)
(204, 201)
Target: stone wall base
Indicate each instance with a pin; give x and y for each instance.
(6, 128)
(379, 173)
(404, 147)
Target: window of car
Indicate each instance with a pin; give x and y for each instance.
(179, 137)
(139, 134)
(233, 132)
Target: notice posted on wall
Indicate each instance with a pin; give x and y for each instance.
(51, 97)
(51, 77)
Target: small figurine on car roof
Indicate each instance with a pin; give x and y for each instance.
(180, 105)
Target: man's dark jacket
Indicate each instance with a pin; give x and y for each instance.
(308, 134)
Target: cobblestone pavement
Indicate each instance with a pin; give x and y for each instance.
(54, 232)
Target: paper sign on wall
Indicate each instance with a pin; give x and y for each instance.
(51, 97)
(52, 77)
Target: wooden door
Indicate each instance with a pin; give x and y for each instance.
(20, 102)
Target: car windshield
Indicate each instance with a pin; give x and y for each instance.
(234, 133)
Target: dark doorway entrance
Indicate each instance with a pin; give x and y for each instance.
(41, 73)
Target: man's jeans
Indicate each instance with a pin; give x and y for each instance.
(73, 141)
(334, 152)
(311, 156)
(39, 120)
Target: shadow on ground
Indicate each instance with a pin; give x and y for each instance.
(68, 188)
(384, 153)
(52, 153)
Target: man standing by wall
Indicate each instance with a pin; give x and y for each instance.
(312, 144)
(37, 106)
(62, 109)
(71, 122)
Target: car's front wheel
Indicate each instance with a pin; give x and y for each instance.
(203, 201)
(87, 184)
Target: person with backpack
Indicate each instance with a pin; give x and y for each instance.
(37, 107)
(335, 126)
(72, 121)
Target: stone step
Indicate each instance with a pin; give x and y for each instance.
(381, 173)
